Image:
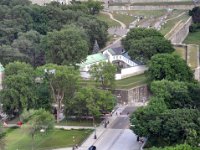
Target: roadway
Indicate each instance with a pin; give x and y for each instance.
(118, 136)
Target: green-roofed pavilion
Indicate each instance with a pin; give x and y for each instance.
(93, 59)
(1, 68)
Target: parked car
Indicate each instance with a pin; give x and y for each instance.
(92, 148)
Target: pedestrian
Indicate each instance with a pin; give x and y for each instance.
(116, 113)
(76, 146)
(138, 138)
(108, 122)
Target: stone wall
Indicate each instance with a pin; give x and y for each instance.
(179, 33)
(151, 7)
(149, 1)
(134, 95)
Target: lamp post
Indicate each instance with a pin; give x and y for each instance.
(95, 134)
(119, 98)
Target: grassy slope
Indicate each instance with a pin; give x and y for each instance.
(122, 84)
(106, 18)
(131, 82)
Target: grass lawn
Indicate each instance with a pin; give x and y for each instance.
(106, 18)
(181, 52)
(127, 19)
(79, 123)
(20, 139)
(193, 38)
(192, 56)
(122, 84)
(131, 82)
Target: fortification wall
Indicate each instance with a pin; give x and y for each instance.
(150, 7)
(178, 34)
(151, 1)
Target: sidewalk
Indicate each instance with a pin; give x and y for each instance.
(101, 129)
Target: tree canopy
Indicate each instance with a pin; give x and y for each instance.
(63, 82)
(93, 102)
(18, 88)
(22, 26)
(68, 46)
(142, 44)
(104, 74)
(169, 67)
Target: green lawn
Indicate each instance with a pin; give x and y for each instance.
(79, 123)
(127, 19)
(181, 52)
(122, 84)
(192, 56)
(20, 139)
(193, 38)
(106, 18)
(131, 82)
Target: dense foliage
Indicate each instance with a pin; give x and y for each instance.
(93, 102)
(195, 13)
(169, 67)
(23, 25)
(142, 44)
(104, 74)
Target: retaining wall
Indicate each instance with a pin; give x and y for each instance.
(134, 95)
(178, 34)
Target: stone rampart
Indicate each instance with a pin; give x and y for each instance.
(179, 33)
(150, 1)
(134, 95)
(151, 7)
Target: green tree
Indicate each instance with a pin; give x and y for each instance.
(169, 67)
(95, 29)
(66, 47)
(142, 44)
(177, 147)
(145, 121)
(94, 6)
(63, 82)
(18, 88)
(104, 74)
(29, 45)
(93, 102)
(10, 54)
(175, 93)
(37, 120)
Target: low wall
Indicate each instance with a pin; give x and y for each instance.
(179, 33)
(132, 71)
(134, 95)
(151, 7)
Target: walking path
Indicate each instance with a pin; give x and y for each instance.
(111, 17)
(116, 43)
